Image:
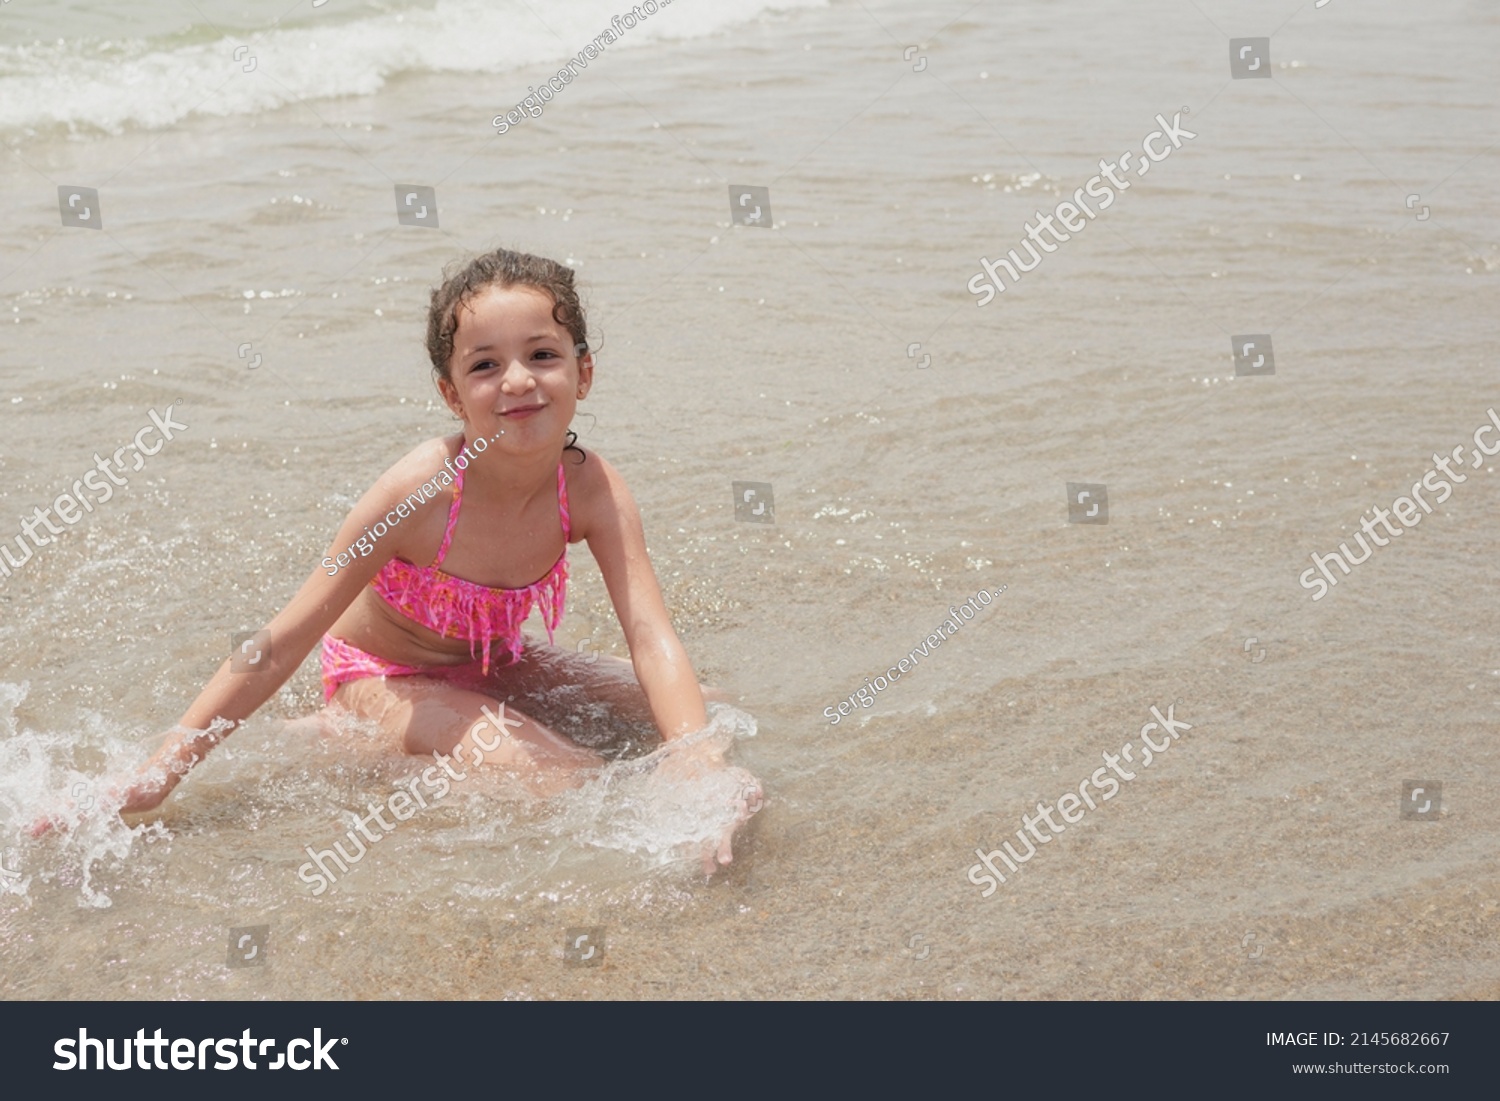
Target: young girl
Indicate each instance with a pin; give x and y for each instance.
(420, 601)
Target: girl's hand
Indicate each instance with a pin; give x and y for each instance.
(145, 792)
(42, 826)
(704, 761)
(748, 801)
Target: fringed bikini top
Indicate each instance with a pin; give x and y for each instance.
(460, 609)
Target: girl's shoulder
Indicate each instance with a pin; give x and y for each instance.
(588, 472)
(596, 490)
(430, 463)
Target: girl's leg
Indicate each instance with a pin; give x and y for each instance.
(424, 716)
(611, 681)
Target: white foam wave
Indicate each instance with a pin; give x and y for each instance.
(112, 84)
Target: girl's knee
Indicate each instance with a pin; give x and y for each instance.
(471, 728)
(487, 743)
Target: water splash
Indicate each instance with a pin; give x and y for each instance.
(635, 817)
(295, 789)
(41, 776)
(649, 806)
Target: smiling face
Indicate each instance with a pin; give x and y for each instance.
(514, 370)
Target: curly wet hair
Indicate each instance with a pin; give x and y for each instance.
(502, 268)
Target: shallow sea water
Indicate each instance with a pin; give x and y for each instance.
(1263, 855)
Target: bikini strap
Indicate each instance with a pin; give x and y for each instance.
(458, 496)
(562, 506)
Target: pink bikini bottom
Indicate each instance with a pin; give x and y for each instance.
(343, 662)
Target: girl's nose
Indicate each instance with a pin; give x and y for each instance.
(517, 378)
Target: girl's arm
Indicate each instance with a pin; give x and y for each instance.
(618, 542)
(230, 698)
(613, 529)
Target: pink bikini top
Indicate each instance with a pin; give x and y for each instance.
(456, 608)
